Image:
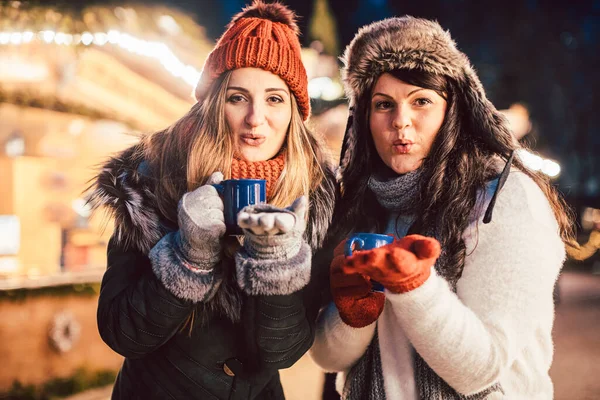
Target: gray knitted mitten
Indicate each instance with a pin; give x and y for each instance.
(273, 233)
(201, 225)
(184, 260)
(275, 258)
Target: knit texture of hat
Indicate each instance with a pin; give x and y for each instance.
(261, 36)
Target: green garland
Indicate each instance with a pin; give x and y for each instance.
(80, 381)
(78, 289)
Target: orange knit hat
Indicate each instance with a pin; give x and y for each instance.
(261, 36)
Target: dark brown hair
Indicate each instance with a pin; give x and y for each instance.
(457, 168)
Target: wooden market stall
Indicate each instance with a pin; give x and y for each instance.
(75, 87)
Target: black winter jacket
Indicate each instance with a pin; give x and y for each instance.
(236, 344)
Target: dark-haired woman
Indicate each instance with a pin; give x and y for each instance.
(467, 308)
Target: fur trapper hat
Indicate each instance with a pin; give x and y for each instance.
(414, 43)
(261, 36)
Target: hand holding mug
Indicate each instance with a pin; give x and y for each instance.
(401, 266)
(238, 194)
(270, 220)
(201, 224)
(274, 233)
(357, 304)
(367, 241)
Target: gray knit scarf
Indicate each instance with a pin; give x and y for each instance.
(400, 194)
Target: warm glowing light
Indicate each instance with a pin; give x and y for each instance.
(325, 88)
(60, 38)
(169, 24)
(16, 38)
(81, 207)
(10, 234)
(87, 38)
(15, 69)
(113, 36)
(100, 38)
(550, 168)
(151, 49)
(537, 163)
(27, 36)
(47, 36)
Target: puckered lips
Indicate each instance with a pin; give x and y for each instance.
(403, 146)
(252, 139)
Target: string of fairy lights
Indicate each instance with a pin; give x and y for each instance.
(151, 49)
(189, 74)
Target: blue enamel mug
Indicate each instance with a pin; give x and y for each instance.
(367, 241)
(237, 194)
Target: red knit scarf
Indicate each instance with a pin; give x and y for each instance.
(269, 170)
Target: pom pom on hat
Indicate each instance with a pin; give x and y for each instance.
(275, 12)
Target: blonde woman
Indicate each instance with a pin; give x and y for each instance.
(196, 314)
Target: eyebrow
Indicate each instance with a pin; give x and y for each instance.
(241, 89)
(387, 95)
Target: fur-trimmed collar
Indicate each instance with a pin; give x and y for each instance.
(124, 190)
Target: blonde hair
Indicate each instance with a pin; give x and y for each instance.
(201, 142)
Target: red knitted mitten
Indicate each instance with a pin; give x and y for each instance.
(357, 305)
(401, 266)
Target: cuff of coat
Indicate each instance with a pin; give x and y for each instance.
(274, 276)
(343, 331)
(184, 279)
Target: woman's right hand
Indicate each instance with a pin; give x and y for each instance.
(202, 224)
(358, 306)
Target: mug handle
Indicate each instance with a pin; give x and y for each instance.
(220, 188)
(350, 245)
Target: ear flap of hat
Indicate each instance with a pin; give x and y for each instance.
(349, 141)
(484, 120)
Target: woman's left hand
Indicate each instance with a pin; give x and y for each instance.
(401, 266)
(271, 232)
(264, 219)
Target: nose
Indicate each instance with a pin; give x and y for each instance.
(401, 118)
(256, 115)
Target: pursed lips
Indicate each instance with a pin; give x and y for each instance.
(252, 139)
(402, 146)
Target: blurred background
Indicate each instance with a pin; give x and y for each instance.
(81, 80)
